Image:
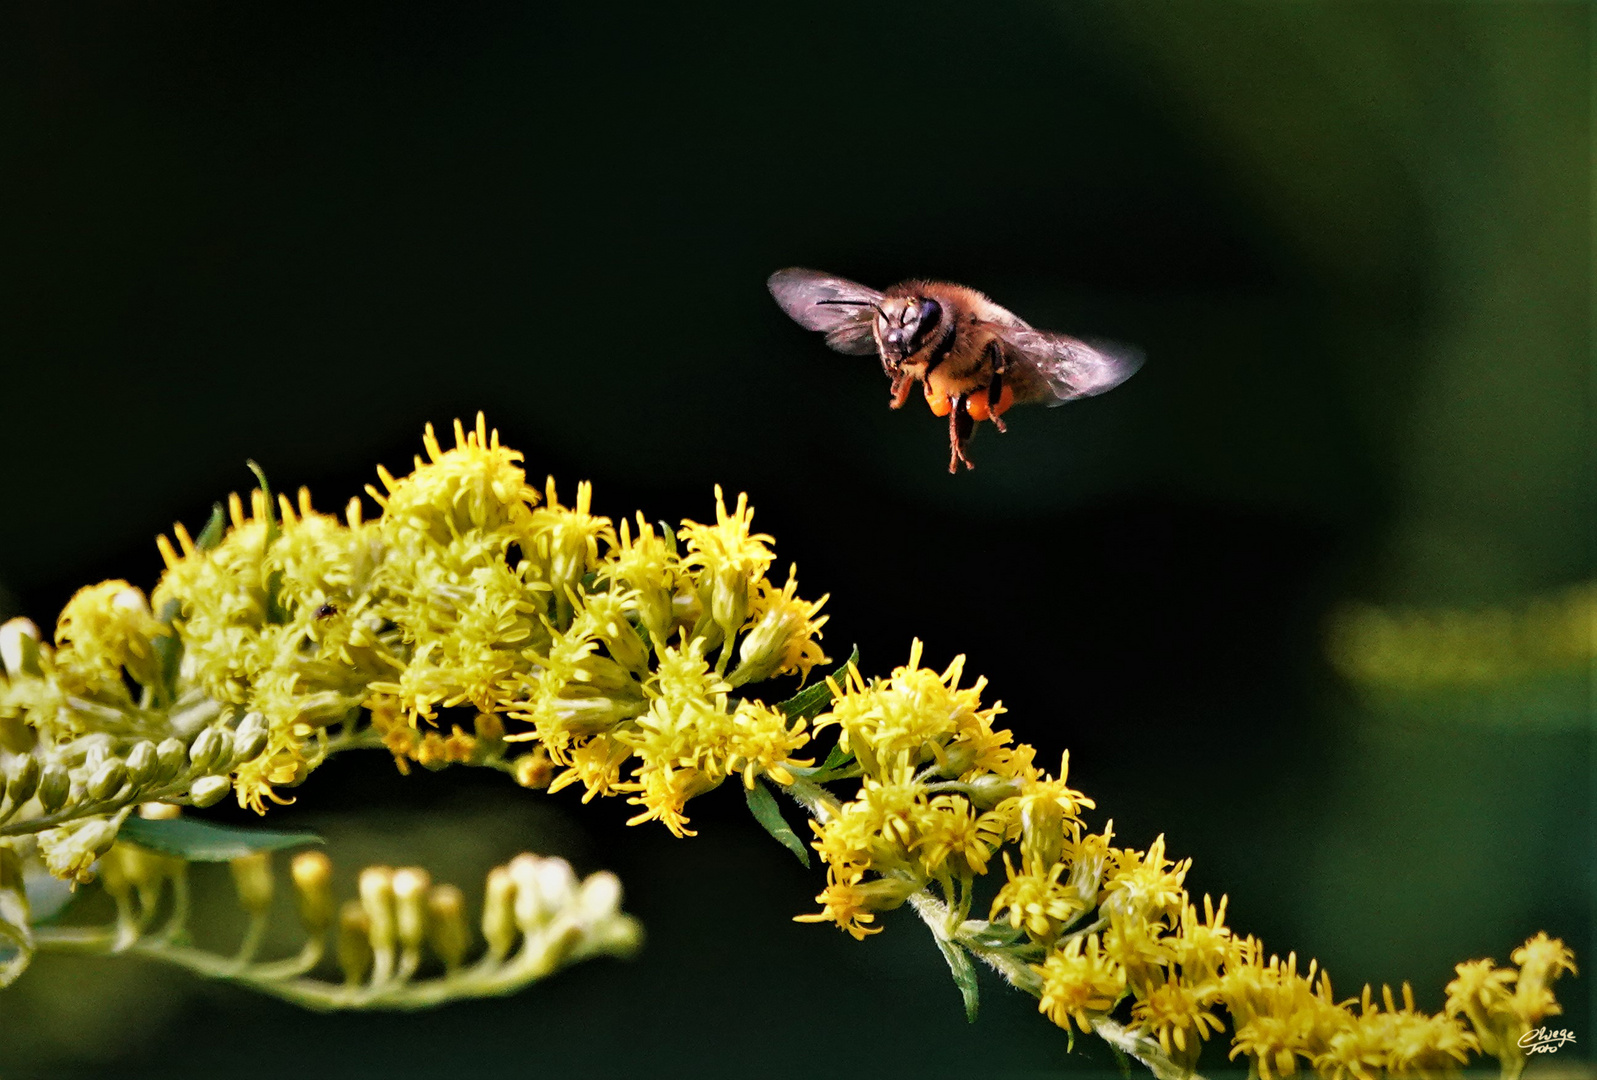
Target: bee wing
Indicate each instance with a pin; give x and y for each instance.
(840, 308)
(1054, 368)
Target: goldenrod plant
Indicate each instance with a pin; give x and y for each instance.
(477, 621)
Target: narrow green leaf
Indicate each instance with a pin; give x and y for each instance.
(211, 535)
(762, 804)
(836, 759)
(271, 509)
(998, 936)
(201, 841)
(964, 973)
(275, 612)
(811, 701)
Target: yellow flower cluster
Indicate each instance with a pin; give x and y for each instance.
(1087, 926)
(469, 592)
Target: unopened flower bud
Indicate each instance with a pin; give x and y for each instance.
(209, 749)
(531, 910)
(252, 877)
(1042, 831)
(55, 787)
(410, 906)
(312, 872)
(557, 883)
(171, 757)
(489, 729)
(354, 942)
(142, 763)
(159, 811)
(534, 770)
(599, 898)
(107, 780)
(498, 912)
(377, 901)
(209, 790)
(251, 737)
(987, 790)
(729, 599)
(446, 924)
(765, 647)
(19, 647)
(22, 779)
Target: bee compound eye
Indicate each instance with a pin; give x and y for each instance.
(930, 311)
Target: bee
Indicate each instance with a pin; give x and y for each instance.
(973, 359)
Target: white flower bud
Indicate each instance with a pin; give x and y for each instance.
(312, 872)
(19, 647)
(210, 748)
(599, 898)
(498, 914)
(377, 901)
(209, 790)
(142, 763)
(55, 787)
(543, 888)
(446, 922)
(172, 757)
(250, 738)
(23, 779)
(107, 780)
(354, 942)
(410, 906)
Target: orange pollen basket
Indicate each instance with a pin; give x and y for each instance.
(976, 404)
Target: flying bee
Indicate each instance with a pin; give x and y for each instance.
(972, 358)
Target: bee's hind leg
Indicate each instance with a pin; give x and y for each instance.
(995, 389)
(960, 427)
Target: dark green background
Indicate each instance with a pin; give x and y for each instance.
(1354, 240)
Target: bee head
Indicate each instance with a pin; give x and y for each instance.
(903, 323)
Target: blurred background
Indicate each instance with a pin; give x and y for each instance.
(1354, 239)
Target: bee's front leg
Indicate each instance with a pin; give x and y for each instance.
(960, 426)
(899, 391)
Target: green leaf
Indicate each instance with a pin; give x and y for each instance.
(276, 614)
(964, 973)
(811, 701)
(836, 759)
(762, 804)
(271, 509)
(200, 841)
(211, 535)
(998, 936)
